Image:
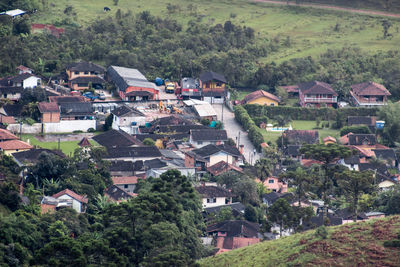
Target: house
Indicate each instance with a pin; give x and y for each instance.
(125, 168)
(127, 183)
(68, 198)
(156, 172)
(6, 120)
(49, 112)
(76, 111)
(203, 137)
(316, 94)
(132, 84)
(133, 153)
(300, 137)
(274, 184)
(387, 155)
(9, 143)
(205, 111)
(223, 167)
(191, 88)
(234, 234)
(322, 219)
(348, 216)
(261, 97)
(22, 69)
(127, 119)
(361, 140)
(292, 90)
(67, 99)
(237, 209)
(369, 121)
(116, 138)
(11, 93)
(213, 196)
(82, 74)
(211, 155)
(24, 80)
(31, 156)
(12, 110)
(270, 198)
(369, 94)
(117, 194)
(213, 87)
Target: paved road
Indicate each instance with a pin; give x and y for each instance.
(233, 129)
(322, 6)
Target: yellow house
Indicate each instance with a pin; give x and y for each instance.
(12, 146)
(261, 97)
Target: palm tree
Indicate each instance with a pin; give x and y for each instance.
(300, 179)
(264, 168)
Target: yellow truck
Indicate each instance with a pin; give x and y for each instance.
(170, 87)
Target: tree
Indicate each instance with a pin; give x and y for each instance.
(246, 191)
(282, 214)
(282, 121)
(224, 214)
(390, 114)
(354, 184)
(386, 24)
(326, 154)
(149, 142)
(109, 121)
(300, 179)
(283, 95)
(250, 214)
(264, 168)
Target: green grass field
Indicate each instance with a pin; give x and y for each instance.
(310, 31)
(301, 125)
(354, 244)
(67, 147)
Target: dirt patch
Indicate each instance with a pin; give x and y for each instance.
(62, 137)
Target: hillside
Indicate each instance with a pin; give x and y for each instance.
(356, 244)
(292, 32)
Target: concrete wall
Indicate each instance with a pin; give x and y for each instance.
(31, 82)
(220, 156)
(76, 205)
(264, 101)
(219, 202)
(60, 127)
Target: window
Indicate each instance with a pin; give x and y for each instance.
(271, 181)
(125, 186)
(211, 200)
(272, 104)
(219, 84)
(76, 72)
(86, 72)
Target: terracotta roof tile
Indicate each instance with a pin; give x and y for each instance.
(6, 135)
(14, 145)
(48, 107)
(71, 194)
(7, 119)
(125, 180)
(258, 94)
(370, 88)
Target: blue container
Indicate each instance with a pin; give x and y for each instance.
(158, 81)
(380, 124)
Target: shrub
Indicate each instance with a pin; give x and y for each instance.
(77, 131)
(321, 232)
(91, 130)
(362, 129)
(205, 122)
(248, 124)
(149, 142)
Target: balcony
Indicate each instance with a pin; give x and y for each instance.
(320, 99)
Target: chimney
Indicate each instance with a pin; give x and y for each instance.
(241, 149)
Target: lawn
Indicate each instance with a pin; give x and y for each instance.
(301, 125)
(293, 31)
(67, 147)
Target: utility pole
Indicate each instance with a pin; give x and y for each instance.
(222, 114)
(239, 140)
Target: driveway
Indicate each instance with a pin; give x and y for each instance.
(233, 130)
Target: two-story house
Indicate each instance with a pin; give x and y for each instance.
(213, 86)
(49, 111)
(213, 196)
(203, 137)
(127, 119)
(82, 74)
(127, 183)
(316, 94)
(369, 94)
(212, 154)
(64, 198)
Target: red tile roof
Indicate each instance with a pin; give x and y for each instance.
(291, 88)
(316, 87)
(258, 94)
(6, 135)
(222, 167)
(71, 194)
(14, 145)
(370, 88)
(125, 180)
(7, 119)
(48, 107)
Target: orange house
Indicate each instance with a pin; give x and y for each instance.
(81, 74)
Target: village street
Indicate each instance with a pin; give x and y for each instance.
(233, 129)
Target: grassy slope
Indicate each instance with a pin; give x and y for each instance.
(359, 244)
(310, 30)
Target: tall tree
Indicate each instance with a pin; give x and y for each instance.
(282, 214)
(264, 168)
(327, 154)
(300, 179)
(354, 184)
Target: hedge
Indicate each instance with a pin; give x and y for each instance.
(248, 124)
(300, 113)
(362, 129)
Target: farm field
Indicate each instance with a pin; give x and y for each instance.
(291, 32)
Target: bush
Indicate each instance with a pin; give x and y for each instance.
(362, 129)
(321, 232)
(392, 243)
(77, 131)
(149, 142)
(205, 122)
(248, 124)
(91, 130)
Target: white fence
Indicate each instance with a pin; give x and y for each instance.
(59, 127)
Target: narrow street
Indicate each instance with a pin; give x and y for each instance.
(234, 130)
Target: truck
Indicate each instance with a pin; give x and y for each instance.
(170, 87)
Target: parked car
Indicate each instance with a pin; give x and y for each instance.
(102, 96)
